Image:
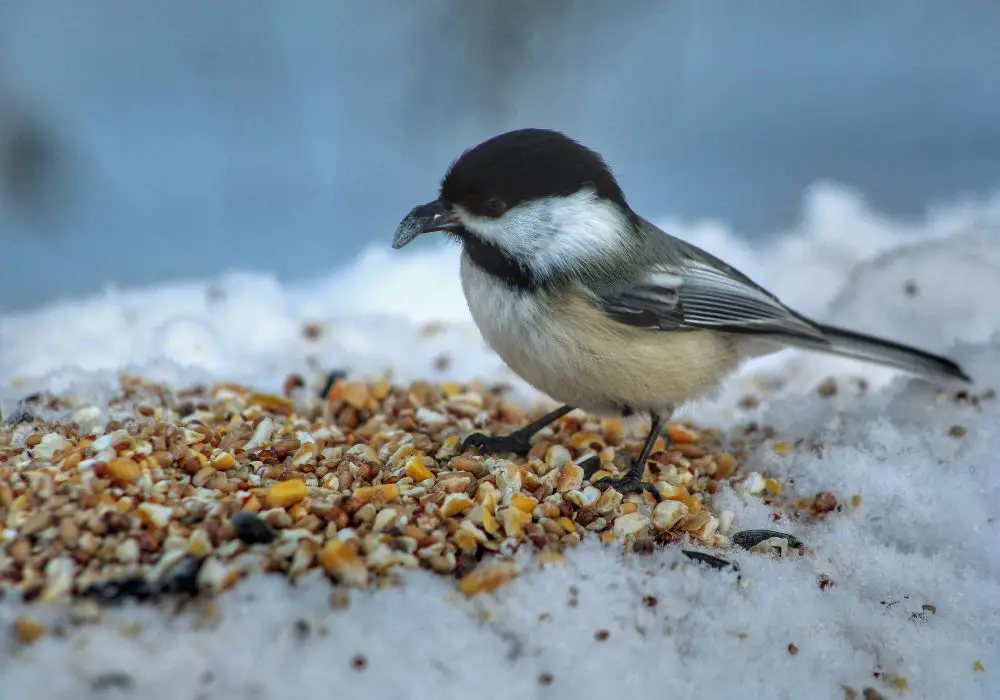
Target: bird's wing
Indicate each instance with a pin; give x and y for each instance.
(692, 291)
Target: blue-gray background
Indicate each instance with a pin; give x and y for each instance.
(142, 141)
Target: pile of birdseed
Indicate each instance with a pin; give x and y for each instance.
(187, 491)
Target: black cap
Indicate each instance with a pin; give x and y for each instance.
(524, 165)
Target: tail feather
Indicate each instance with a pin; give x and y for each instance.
(885, 352)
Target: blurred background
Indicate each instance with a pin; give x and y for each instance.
(141, 142)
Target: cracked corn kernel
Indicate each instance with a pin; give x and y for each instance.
(570, 477)
(384, 520)
(154, 514)
(680, 435)
(549, 510)
(584, 439)
(549, 557)
(27, 630)
(456, 504)
(584, 499)
(612, 429)
(450, 389)
(523, 502)
(355, 394)
(341, 559)
(388, 493)
(567, 524)
(199, 545)
(514, 521)
(272, 403)
(222, 461)
(466, 541)
(781, 447)
(630, 524)
(666, 514)
(490, 524)
(725, 465)
(416, 470)
(252, 504)
(772, 486)
(487, 577)
(978, 667)
(381, 389)
(124, 471)
(286, 493)
(470, 527)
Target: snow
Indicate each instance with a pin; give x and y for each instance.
(925, 531)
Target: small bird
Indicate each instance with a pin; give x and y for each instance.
(596, 307)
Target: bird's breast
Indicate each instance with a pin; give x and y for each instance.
(568, 349)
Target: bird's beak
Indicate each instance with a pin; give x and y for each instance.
(423, 219)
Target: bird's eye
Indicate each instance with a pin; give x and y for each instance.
(494, 206)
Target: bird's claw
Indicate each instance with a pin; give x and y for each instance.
(626, 485)
(514, 442)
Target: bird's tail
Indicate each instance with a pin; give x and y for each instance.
(886, 352)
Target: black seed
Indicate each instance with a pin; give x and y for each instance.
(602, 635)
(546, 679)
(112, 680)
(714, 562)
(251, 529)
(359, 662)
(751, 538)
(301, 628)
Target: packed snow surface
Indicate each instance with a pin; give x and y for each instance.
(915, 608)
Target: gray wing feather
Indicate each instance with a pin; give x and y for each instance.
(688, 289)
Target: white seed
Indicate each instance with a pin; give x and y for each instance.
(666, 514)
(385, 518)
(59, 574)
(88, 419)
(128, 551)
(630, 524)
(118, 437)
(584, 499)
(261, 436)
(157, 514)
(754, 484)
(50, 444)
(431, 419)
(726, 518)
(212, 575)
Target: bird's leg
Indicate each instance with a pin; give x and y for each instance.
(632, 481)
(519, 441)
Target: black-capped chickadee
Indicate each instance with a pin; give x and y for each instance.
(596, 307)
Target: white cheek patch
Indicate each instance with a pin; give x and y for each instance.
(552, 233)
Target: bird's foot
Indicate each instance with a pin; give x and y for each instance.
(630, 483)
(515, 442)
